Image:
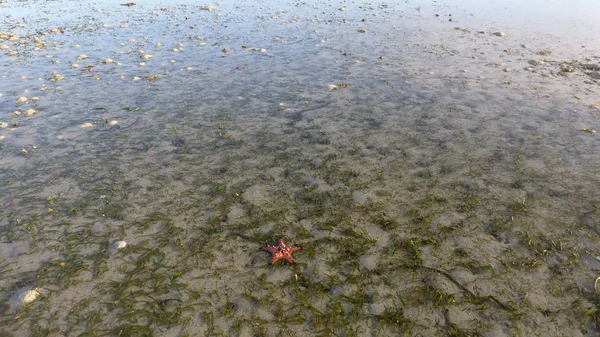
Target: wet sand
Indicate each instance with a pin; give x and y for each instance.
(438, 164)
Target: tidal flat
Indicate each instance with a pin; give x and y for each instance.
(438, 163)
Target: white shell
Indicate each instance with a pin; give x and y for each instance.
(28, 296)
(119, 244)
(86, 125)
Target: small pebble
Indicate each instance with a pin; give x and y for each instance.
(57, 77)
(86, 125)
(500, 34)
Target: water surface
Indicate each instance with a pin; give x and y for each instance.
(438, 163)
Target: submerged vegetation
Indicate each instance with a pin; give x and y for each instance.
(141, 183)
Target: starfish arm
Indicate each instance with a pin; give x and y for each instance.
(275, 259)
(289, 259)
(294, 249)
(270, 249)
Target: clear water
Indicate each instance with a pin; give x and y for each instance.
(444, 186)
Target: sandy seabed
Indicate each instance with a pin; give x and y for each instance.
(438, 166)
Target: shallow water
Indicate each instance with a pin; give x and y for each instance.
(446, 186)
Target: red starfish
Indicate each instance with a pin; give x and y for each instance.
(281, 251)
